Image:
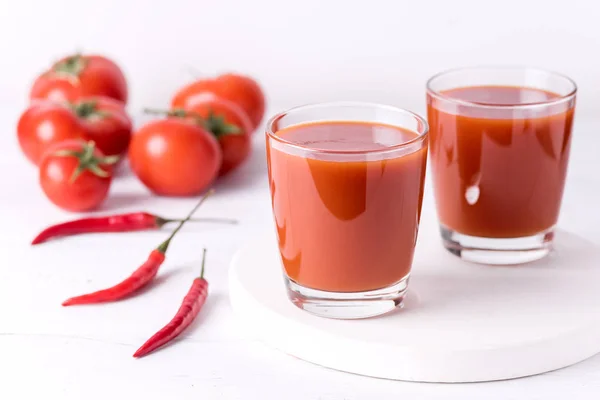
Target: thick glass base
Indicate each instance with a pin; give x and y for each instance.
(498, 251)
(342, 305)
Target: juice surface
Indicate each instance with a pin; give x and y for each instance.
(500, 95)
(346, 226)
(499, 177)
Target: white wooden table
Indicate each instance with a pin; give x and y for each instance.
(47, 351)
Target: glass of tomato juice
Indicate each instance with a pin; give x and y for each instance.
(500, 140)
(346, 184)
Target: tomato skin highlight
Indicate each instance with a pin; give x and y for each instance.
(239, 89)
(236, 147)
(95, 76)
(45, 124)
(174, 157)
(100, 119)
(86, 192)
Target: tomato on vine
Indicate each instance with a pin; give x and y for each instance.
(75, 175)
(239, 89)
(100, 119)
(78, 76)
(232, 128)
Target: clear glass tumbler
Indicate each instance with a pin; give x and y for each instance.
(500, 140)
(346, 183)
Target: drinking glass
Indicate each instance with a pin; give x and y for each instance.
(346, 183)
(500, 140)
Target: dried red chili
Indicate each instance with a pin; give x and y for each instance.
(190, 307)
(130, 222)
(140, 277)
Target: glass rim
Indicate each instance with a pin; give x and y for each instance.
(544, 103)
(420, 136)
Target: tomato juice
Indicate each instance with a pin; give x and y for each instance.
(347, 205)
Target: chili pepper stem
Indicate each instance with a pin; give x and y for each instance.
(164, 245)
(203, 262)
(160, 221)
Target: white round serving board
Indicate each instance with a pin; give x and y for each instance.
(461, 322)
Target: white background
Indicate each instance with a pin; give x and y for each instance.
(301, 51)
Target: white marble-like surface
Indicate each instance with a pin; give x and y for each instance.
(461, 322)
(47, 351)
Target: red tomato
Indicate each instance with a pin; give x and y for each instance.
(75, 175)
(45, 124)
(106, 123)
(231, 126)
(100, 119)
(242, 90)
(174, 157)
(81, 76)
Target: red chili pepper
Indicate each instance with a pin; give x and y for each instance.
(189, 309)
(137, 221)
(140, 277)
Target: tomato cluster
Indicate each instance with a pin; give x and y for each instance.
(76, 128)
